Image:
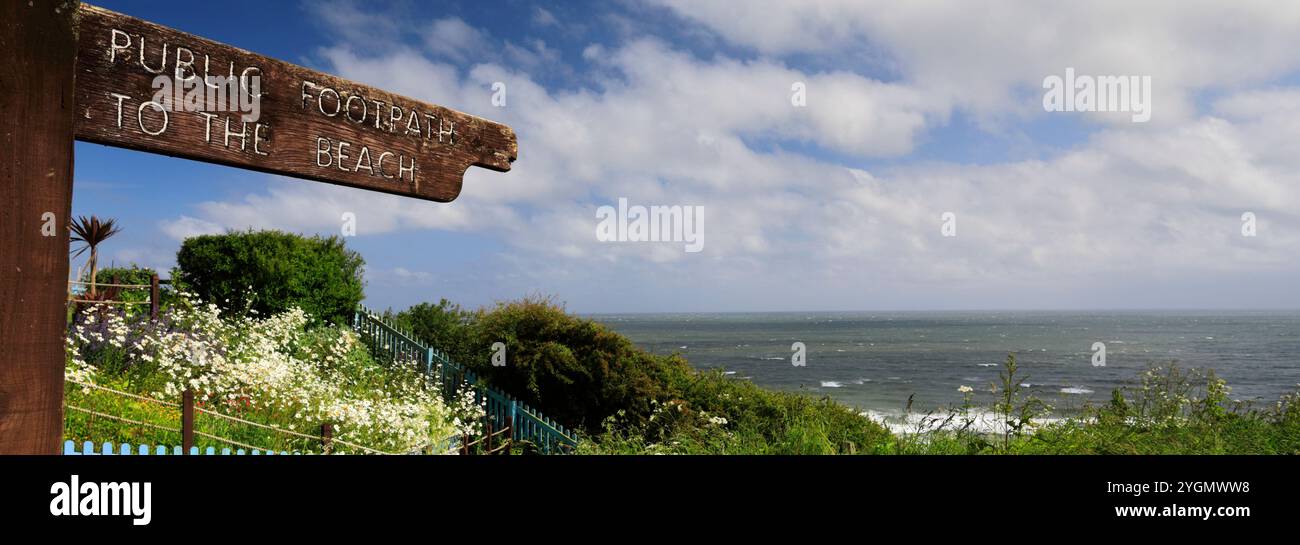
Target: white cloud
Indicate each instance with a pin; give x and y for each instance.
(292, 205)
(543, 17)
(797, 229)
(421, 277)
(185, 227)
(453, 38)
(355, 24)
(987, 55)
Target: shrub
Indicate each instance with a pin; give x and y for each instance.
(711, 413)
(575, 370)
(137, 275)
(132, 274)
(627, 400)
(319, 275)
(444, 325)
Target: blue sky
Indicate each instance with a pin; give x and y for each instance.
(911, 111)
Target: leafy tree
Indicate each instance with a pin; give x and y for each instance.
(444, 325)
(272, 271)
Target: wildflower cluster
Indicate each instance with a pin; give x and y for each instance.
(275, 366)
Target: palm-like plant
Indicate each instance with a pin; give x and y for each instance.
(91, 232)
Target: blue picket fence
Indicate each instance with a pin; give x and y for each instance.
(87, 448)
(109, 449)
(526, 423)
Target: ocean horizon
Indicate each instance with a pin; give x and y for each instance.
(878, 360)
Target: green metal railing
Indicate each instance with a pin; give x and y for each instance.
(525, 423)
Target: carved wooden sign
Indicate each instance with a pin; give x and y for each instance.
(147, 87)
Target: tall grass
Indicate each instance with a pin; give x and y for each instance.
(1169, 410)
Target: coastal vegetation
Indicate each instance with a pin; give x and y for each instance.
(248, 347)
(1168, 410)
(629, 401)
(280, 374)
(264, 348)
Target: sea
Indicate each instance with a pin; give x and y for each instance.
(877, 361)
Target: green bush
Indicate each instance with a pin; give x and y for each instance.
(710, 413)
(138, 297)
(575, 370)
(132, 274)
(627, 400)
(273, 271)
(444, 325)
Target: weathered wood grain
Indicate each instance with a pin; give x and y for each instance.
(37, 46)
(120, 56)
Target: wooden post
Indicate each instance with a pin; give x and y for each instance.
(326, 437)
(510, 429)
(489, 434)
(36, 131)
(187, 420)
(153, 296)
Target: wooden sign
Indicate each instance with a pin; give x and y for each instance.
(151, 88)
(76, 71)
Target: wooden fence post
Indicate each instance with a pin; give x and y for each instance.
(36, 133)
(510, 428)
(514, 410)
(153, 296)
(187, 420)
(326, 437)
